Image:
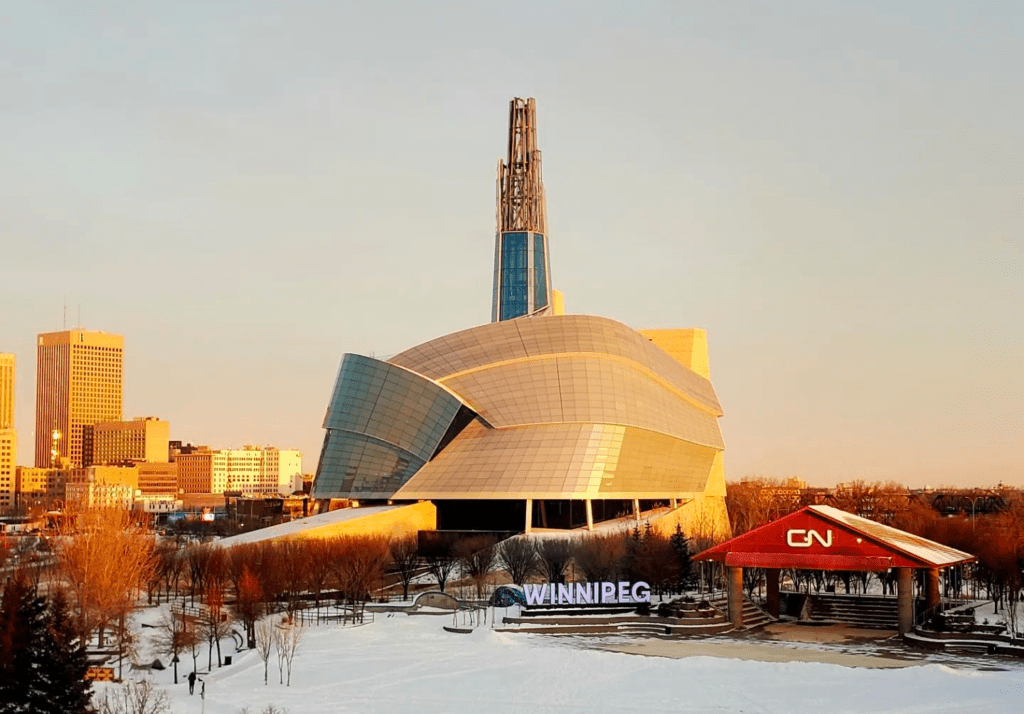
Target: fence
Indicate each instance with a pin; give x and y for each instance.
(333, 615)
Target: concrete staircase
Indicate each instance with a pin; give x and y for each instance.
(753, 616)
(614, 619)
(879, 613)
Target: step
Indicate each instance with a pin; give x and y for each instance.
(534, 611)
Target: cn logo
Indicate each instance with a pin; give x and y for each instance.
(801, 538)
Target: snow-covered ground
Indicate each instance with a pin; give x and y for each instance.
(409, 664)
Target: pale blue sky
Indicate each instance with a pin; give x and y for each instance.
(835, 191)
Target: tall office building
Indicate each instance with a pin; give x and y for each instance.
(8, 436)
(522, 274)
(8, 467)
(78, 383)
(6, 391)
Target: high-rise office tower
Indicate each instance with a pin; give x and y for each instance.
(78, 383)
(8, 436)
(522, 274)
(6, 391)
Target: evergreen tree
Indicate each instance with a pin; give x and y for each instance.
(64, 661)
(681, 547)
(42, 664)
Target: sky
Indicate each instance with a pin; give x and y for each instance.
(247, 191)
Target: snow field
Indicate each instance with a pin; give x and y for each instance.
(409, 664)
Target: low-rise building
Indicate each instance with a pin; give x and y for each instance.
(252, 470)
(158, 479)
(40, 488)
(118, 442)
(102, 486)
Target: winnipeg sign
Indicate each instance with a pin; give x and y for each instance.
(601, 593)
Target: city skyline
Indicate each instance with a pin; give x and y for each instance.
(833, 194)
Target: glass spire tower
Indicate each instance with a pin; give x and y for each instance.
(522, 275)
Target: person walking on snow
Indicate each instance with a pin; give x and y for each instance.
(192, 683)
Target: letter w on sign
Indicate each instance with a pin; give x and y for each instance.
(801, 538)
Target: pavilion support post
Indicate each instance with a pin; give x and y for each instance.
(931, 588)
(771, 577)
(590, 515)
(529, 515)
(675, 503)
(543, 514)
(905, 599)
(735, 580)
(636, 508)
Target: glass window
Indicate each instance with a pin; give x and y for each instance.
(515, 281)
(540, 278)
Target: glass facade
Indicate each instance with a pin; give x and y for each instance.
(563, 461)
(383, 423)
(553, 407)
(540, 278)
(515, 275)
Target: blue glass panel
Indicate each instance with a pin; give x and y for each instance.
(515, 275)
(383, 424)
(540, 278)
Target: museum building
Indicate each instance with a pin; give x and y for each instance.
(538, 419)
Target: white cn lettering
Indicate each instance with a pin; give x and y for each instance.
(801, 538)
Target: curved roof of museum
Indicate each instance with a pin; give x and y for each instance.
(498, 345)
(567, 406)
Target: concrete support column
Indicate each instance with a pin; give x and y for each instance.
(636, 508)
(675, 502)
(543, 514)
(734, 577)
(771, 577)
(932, 595)
(905, 599)
(590, 515)
(529, 515)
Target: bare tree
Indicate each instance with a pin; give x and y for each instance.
(599, 556)
(134, 698)
(319, 556)
(194, 638)
(518, 558)
(265, 643)
(553, 555)
(217, 625)
(476, 558)
(405, 558)
(359, 567)
(441, 564)
(290, 642)
(279, 637)
(172, 638)
(105, 559)
(248, 604)
(293, 565)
